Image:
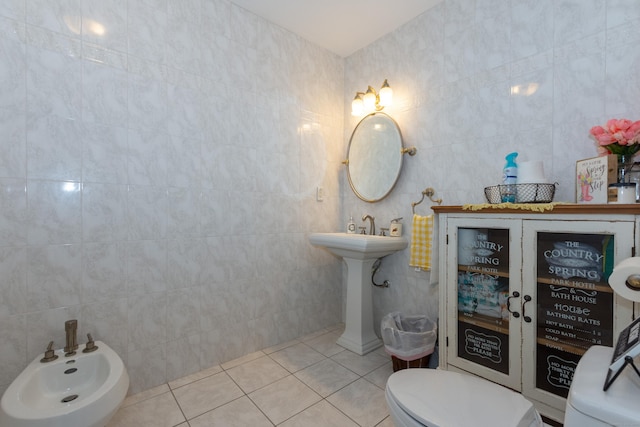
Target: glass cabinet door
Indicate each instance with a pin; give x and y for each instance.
(566, 268)
(484, 262)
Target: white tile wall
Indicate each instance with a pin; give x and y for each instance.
(157, 182)
(452, 70)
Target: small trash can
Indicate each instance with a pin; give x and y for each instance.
(409, 340)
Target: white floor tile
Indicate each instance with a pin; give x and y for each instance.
(239, 413)
(326, 377)
(147, 394)
(279, 347)
(158, 411)
(326, 344)
(380, 376)
(322, 414)
(195, 377)
(361, 401)
(244, 359)
(313, 335)
(256, 374)
(361, 365)
(314, 383)
(386, 423)
(297, 357)
(284, 399)
(206, 394)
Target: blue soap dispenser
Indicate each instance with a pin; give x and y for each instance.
(509, 178)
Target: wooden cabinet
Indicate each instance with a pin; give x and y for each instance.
(524, 294)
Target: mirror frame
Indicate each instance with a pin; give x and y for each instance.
(401, 152)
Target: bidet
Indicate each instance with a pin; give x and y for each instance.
(84, 390)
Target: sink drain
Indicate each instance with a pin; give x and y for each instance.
(69, 398)
(70, 370)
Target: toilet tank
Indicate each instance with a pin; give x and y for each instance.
(589, 406)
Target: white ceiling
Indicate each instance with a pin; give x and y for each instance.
(341, 26)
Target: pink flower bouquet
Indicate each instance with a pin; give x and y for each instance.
(619, 136)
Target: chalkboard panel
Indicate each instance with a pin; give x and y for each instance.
(484, 346)
(483, 288)
(555, 369)
(574, 303)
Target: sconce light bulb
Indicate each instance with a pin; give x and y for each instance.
(369, 99)
(386, 94)
(357, 106)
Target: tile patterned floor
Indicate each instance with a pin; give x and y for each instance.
(303, 383)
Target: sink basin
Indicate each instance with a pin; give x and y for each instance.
(358, 246)
(359, 251)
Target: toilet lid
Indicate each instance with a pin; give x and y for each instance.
(440, 398)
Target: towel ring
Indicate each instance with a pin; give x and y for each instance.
(429, 192)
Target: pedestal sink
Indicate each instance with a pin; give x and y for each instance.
(359, 251)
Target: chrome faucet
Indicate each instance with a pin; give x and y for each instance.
(71, 330)
(372, 223)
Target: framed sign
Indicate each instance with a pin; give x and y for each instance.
(593, 177)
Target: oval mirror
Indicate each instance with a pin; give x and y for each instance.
(374, 157)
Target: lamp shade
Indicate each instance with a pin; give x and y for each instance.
(357, 106)
(369, 100)
(386, 94)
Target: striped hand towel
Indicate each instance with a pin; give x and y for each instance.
(421, 241)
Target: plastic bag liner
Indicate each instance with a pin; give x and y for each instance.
(408, 337)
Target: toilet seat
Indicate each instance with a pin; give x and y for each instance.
(437, 398)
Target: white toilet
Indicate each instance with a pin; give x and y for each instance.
(438, 398)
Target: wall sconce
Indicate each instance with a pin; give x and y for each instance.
(370, 101)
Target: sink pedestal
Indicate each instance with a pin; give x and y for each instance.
(359, 251)
(359, 335)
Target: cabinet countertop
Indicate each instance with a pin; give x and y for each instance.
(561, 208)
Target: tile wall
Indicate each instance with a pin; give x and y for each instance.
(158, 172)
(476, 79)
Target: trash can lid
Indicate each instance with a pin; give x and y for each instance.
(439, 398)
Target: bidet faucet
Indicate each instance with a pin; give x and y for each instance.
(372, 223)
(71, 331)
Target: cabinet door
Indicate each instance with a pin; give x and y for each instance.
(566, 266)
(483, 282)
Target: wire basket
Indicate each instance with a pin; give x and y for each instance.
(520, 193)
